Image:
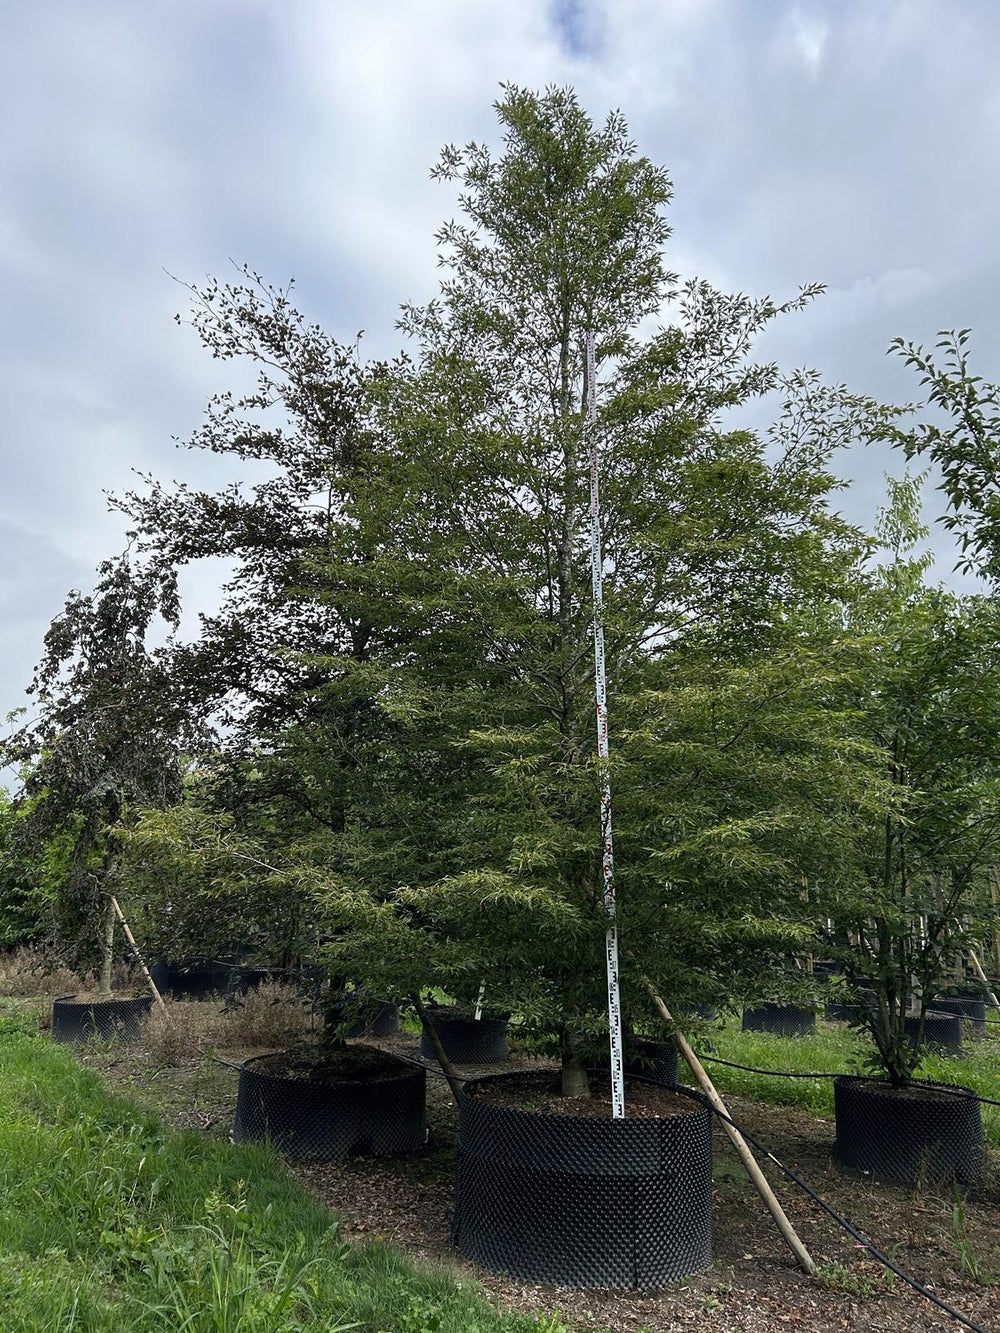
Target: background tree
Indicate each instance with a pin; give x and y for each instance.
(104, 741)
(925, 694)
(964, 442)
(26, 879)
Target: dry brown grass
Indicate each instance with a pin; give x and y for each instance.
(272, 1016)
(29, 971)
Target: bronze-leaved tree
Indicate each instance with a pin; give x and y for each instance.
(104, 741)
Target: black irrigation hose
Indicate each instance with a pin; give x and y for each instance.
(832, 1212)
(775, 1073)
(852, 1230)
(967, 1093)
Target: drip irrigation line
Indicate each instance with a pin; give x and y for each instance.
(968, 1093)
(841, 1221)
(774, 1073)
(853, 1231)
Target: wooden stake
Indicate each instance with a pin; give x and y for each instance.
(983, 978)
(447, 1068)
(991, 872)
(139, 959)
(790, 1236)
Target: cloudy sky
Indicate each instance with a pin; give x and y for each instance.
(849, 141)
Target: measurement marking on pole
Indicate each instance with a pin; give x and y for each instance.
(601, 697)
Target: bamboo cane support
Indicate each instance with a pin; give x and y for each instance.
(447, 1068)
(138, 955)
(757, 1177)
(983, 978)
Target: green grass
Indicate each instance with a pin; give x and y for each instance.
(836, 1048)
(111, 1223)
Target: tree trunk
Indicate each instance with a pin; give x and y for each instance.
(107, 948)
(575, 1082)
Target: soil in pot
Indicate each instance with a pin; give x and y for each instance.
(922, 1132)
(785, 1020)
(557, 1191)
(320, 1104)
(85, 1016)
(466, 1039)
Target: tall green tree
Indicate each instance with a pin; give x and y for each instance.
(715, 540)
(962, 438)
(431, 717)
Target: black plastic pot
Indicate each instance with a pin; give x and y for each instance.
(583, 1201)
(120, 1018)
(823, 968)
(785, 1020)
(852, 1010)
(930, 1134)
(376, 1018)
(654, 1060)
(322, 1121)
(465, 1040)
(943, 1031)
(196, 979)
(969, 1008)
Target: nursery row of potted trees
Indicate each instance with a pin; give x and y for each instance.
(393, 709)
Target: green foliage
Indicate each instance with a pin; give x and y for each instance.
(27, 881)
(964, 442)
(405, 668)
(103, 741)
(924, 693)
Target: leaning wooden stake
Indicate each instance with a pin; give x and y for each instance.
(447, 1068)
(756, 1175)
(983, 978)
(135, 949)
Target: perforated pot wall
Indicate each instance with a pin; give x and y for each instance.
(943, 1031)
(908, 1136)
(583, 1201)
(376, 1019)
(323, 1121)
(197, 979)
(970, 1009)
(785, 1020)
(655, 1060)
(115, 1018)
(466, 1041)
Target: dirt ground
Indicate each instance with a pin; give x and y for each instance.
(753, 1285)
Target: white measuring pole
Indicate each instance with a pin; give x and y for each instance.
(601, 691)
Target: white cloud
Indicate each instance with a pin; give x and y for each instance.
(807, 139)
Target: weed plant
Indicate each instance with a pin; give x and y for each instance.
(113, 1224)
